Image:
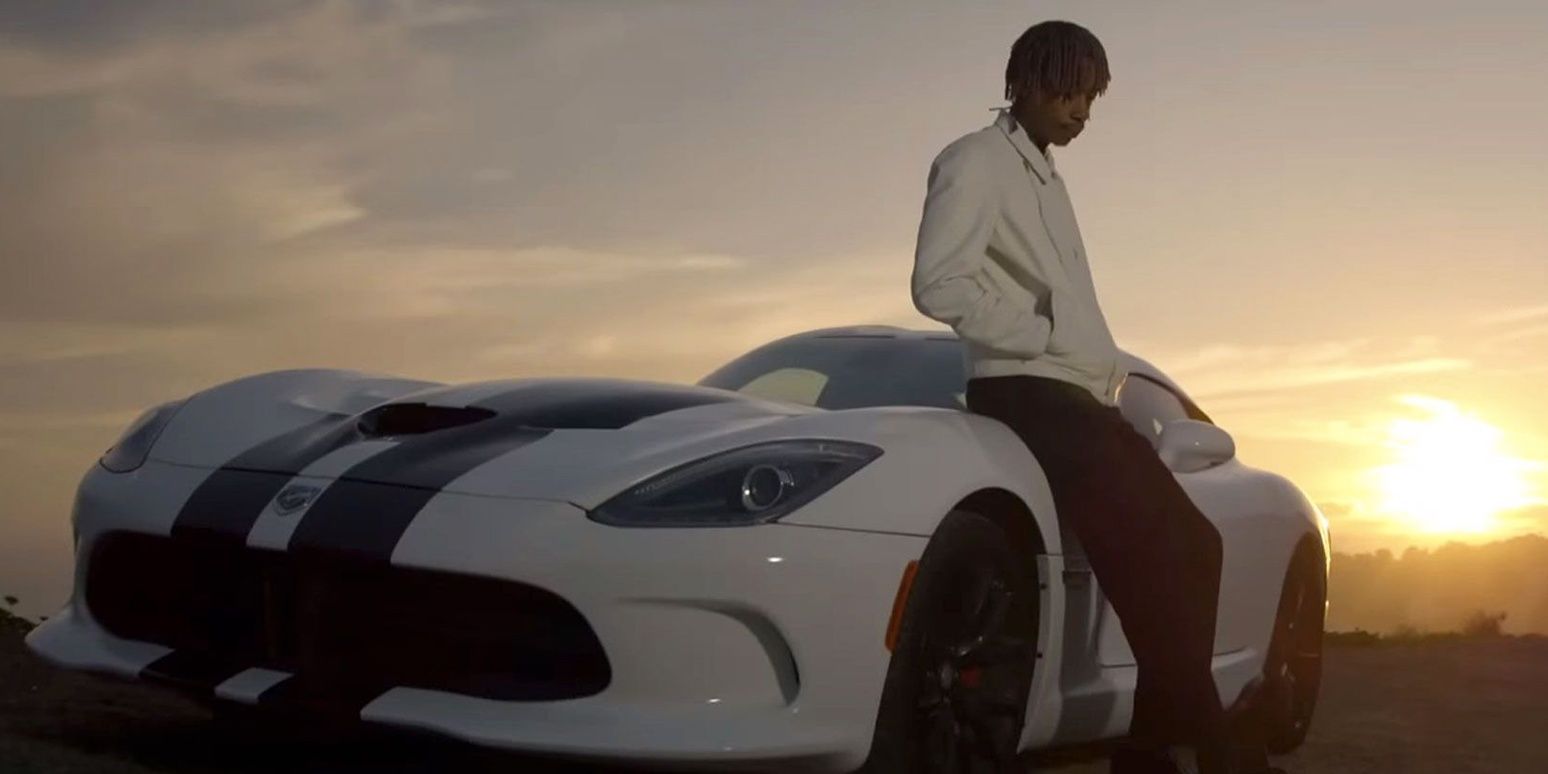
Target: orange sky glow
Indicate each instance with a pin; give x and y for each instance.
(1325, 220)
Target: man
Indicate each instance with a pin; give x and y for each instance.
(1000, 259)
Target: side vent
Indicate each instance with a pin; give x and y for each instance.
(417, 418)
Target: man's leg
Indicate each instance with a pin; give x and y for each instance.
(1156, 557)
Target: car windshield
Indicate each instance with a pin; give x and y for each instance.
(842, 372)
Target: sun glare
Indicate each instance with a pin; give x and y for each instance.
(1449, 475)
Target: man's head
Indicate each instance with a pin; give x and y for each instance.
(1056, 70)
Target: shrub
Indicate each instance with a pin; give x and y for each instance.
(1483, 624)
(1357, 638)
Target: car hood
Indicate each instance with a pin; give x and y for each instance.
(577, 440)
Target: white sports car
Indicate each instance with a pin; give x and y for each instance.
(813, 559)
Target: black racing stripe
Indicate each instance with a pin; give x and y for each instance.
(596, 403)
(328, 699)
(357, 518)
(432, 460)
(192, 671)
(365, 512)
(224, 507)
(291, 451)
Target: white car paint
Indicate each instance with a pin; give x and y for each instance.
(759, 645)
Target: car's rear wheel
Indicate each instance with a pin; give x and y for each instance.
(1293, 668)
(956, 689)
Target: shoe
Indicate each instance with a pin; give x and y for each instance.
(1138, 760)
(1239, 758)
(1248, 747)
(1238, 761)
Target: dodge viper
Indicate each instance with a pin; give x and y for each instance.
(814, 558)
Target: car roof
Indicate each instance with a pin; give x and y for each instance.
(1133, 363)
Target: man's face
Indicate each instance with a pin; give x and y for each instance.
(1057, 118)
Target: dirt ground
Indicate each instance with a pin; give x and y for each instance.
(1446, 706)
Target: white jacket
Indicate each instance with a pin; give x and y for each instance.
(1000, 260)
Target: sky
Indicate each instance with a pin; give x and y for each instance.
(1324, 219)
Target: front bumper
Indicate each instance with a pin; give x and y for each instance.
(760, 645)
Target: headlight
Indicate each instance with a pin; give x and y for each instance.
(751, 485)
(132, 447)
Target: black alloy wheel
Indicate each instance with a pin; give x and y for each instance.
(957, 687)
(1293, 667)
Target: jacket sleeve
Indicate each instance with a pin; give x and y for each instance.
(960, 210)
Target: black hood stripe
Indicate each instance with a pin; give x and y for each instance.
(349, 516)
(225, 505)
(366, 511)
(358, 517)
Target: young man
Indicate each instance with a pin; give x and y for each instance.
(1000, 259)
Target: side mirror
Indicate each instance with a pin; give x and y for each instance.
(1188, 445)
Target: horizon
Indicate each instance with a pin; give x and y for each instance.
(1330, 235)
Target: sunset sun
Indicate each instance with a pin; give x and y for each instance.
(1449, 474)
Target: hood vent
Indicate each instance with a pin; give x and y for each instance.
(417, 418)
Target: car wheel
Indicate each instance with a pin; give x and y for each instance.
(956, 690)
(1293, 667)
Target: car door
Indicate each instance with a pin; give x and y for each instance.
(1219, 491)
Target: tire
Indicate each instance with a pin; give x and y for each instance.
(956, 691)
(1292, 670)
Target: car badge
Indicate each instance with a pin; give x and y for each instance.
(294, 498)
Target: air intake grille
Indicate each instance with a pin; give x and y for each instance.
(335, 622)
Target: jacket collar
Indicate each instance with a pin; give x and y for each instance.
(1038, 163)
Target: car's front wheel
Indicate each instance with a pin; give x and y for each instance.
(1293, 667)
(957, 686)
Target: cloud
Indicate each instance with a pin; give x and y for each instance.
(1372, 426)
(159, 180)
(386, 284)
(1513, 325)
(84, 26)
(1234, 372)
(35, 422)
(1513, 315)
(700, 312)
(1527, 519)
(1528, 332)
(1363, 432)
(472, 190)
(171, 173)
(289, 55)
(1238, 355)
(24, 343)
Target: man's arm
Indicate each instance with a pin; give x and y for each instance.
(959, 214)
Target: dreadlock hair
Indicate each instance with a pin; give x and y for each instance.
(1056, 58)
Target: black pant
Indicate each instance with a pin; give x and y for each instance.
(1155, 555)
